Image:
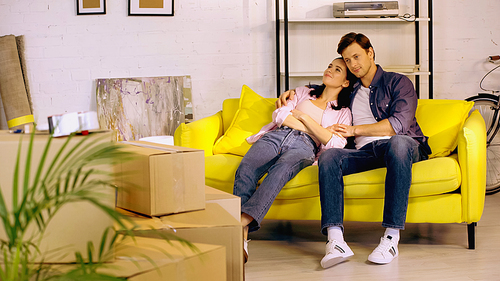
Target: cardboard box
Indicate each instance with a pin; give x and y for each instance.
(211, 226)
(181, 264)
(162, 179)
(74, 224)
(231, 203)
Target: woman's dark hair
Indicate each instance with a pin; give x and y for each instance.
(343, 99)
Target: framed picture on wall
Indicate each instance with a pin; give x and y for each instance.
(90, 7)
(150, 7)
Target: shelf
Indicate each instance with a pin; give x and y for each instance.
(314, 20)
(418, 26)
(320, 74)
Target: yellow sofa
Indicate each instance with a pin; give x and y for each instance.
(447, 188)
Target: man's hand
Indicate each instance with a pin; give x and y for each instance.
(282, 100)
(342, 130)
(298, 114)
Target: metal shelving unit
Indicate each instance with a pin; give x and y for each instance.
(286, 21)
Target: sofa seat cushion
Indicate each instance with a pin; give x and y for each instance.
(431, 177)
(434, 176)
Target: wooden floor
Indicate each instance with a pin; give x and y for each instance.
(293, 250)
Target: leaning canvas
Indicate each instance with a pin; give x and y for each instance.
(143, 107)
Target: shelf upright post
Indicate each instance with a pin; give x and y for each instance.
(285, 29)
(278, 54)
(417, 45)
(431, 51)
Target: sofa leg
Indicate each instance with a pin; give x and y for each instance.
(471, 233)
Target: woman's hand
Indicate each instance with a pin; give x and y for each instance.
(282, 100)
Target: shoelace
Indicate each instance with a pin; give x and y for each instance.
(384, 245)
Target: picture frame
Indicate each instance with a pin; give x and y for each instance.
(151, 7)
(90, 7)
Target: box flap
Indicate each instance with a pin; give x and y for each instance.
(162, 147)
(215, 194)
(213, 216)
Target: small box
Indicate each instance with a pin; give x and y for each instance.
(210, 226)
(148, 259)
(161, 179)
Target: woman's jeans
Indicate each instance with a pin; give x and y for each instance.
(397, 154)
(281, 153)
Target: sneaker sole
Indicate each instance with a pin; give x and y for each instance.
(381, 261)
(334, 261)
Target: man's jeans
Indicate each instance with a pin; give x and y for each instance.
(397, 154)
(281, 153)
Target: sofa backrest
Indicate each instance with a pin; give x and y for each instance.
(441, 120)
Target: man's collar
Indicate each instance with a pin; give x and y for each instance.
(378, 76)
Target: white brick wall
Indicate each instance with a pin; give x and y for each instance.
(222, 44)
(466, 33)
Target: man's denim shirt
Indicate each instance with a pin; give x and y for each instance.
(393, 97)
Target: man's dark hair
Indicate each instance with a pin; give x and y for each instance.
(353, 37)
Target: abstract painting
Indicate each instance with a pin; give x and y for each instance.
(144, 107)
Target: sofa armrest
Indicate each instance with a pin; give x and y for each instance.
(472, 160)
(200, 134)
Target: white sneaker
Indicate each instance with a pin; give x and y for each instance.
(336, 252)
(245, 250)
(385, 252)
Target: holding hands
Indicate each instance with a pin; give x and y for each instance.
(341, 130)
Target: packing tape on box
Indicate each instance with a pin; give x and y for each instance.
(179, 181)
(163, 226)
(65, 124)
(20, 121)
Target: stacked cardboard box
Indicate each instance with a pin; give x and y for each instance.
(75, 224)
(230, 203)
(171, 260)
(162, 179)
(164, 192)
(214, 225)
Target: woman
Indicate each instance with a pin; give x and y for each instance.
(294, 139)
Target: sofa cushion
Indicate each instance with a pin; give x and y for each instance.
(441, 121)
(197, 134)
(434, 176)
(430, 177)
(220, 170)
(253, 113)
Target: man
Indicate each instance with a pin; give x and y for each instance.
(386, 134)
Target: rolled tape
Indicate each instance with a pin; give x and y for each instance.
(20, 121)
(88, 120)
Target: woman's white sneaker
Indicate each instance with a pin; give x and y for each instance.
(385, 252)
(336, 252)
(245, 250)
